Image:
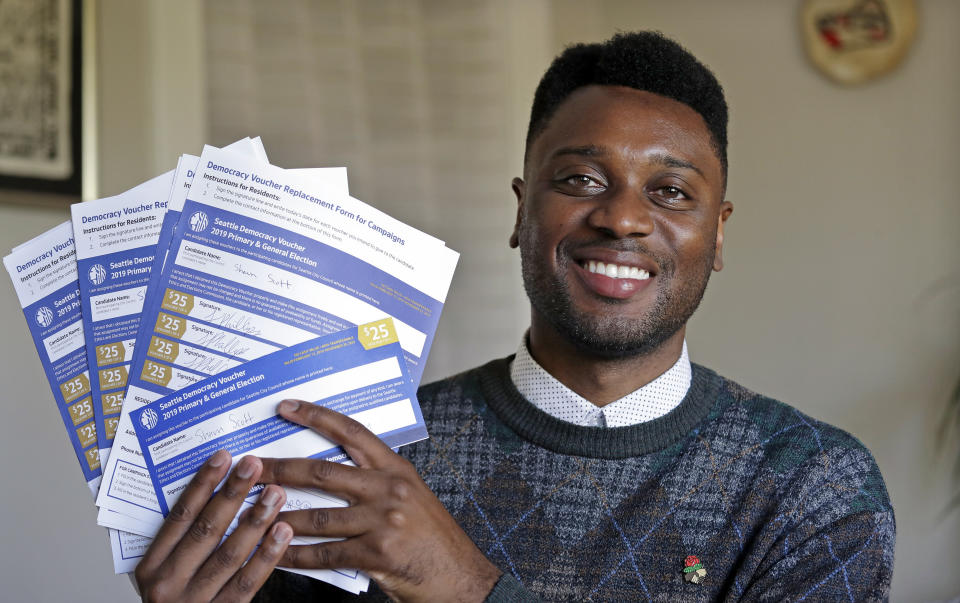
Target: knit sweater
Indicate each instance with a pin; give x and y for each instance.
(775, 505)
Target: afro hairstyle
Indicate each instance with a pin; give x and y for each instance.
(644, 60)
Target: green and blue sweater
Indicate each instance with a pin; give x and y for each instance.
(774, 505)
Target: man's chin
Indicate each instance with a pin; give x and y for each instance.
(613, 341)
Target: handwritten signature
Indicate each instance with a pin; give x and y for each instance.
(242, 270)
(207, 365)
(279, 282)
(235, 321)
(240, 420)
(228, 343)
(208, 435)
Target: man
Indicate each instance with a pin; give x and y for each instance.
(597, 462)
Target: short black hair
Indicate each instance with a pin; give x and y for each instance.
(644, 60)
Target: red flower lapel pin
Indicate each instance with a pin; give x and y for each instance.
(693, 570)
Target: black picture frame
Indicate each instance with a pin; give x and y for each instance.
(70, 186)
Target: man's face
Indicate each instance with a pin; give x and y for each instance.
(620, 219)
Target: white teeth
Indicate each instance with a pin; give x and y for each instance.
(616, 271)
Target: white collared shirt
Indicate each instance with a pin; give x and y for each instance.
(653, 400)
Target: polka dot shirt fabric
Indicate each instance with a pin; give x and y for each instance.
(653, 400)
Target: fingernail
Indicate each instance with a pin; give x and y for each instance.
(270, 498)
(219, 458)
(288, 406)
(245, 467)
(282, 533)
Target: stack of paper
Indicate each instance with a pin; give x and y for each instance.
(170, 319)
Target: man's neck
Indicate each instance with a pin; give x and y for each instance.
(601, 380)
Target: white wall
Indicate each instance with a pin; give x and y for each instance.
(840, 293)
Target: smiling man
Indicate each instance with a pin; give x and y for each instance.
(597, 462)
(620, 222)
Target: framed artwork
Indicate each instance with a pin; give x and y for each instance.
(40, 92)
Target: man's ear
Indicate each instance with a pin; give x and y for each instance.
(519, 187)
(726, 208)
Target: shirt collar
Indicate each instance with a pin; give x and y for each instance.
(653, 400)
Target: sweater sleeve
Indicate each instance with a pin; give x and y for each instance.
(509, 590)
(848, 560)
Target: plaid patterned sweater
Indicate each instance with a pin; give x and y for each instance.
(775, 505)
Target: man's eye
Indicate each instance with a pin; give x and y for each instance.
(580, 184)
(581, 180)
(672, 192)
(669, 196)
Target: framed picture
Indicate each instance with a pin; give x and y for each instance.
(40, 92)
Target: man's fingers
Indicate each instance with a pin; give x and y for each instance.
(326, 555)
(204, 534)
(334, 478)
(363, 446)
(335, 522)
(235, 550)
(246, 582)
(185, 511)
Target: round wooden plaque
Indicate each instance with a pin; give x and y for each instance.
(854, 41)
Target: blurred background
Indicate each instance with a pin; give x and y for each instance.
(841, 289)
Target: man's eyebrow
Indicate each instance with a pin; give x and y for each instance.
(589, 150)
(674, 162)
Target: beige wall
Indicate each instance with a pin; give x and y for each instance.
(840, 293)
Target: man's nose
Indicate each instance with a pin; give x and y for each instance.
(623, 213)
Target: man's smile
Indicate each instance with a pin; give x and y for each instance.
(620, 281)
(613, 273)
(612, 270)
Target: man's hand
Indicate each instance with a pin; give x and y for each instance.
(395, 528)
(185, 563)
